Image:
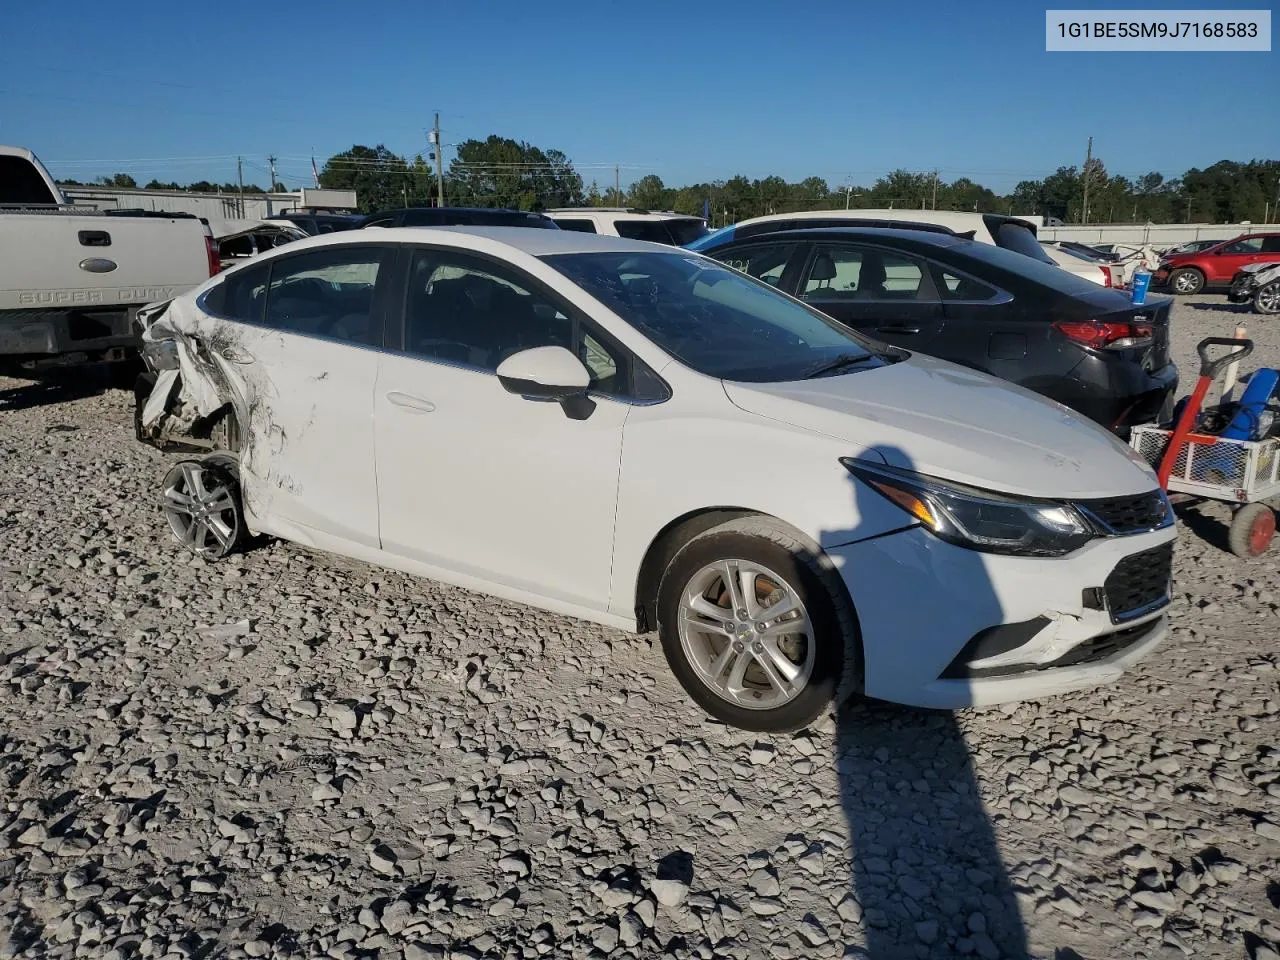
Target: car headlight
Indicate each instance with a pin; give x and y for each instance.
(979, 519)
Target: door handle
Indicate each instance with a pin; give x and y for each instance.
(94, 238)
(899, 328)
(232, 355)
(410, 402)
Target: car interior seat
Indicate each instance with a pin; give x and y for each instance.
(824, 271)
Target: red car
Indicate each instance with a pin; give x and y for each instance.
(1192, 272)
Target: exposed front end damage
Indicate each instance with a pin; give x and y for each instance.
(184, 401)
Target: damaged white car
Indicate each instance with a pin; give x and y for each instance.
(640, 436)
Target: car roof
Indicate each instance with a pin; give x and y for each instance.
(391, 211)
(943, 217)
(619, 213)
(537, 243)
(900, 234)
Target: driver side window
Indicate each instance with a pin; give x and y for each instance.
(1248, 245)
(765, 261)
(473, 312)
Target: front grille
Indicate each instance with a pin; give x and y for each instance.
(1139, 583)
(1124, 515)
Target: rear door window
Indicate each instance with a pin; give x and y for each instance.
(578, 226)
(1271, 244)
(329, 293)
(865, 273)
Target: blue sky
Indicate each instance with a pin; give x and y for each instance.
(690, 91)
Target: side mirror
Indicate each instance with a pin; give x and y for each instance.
(549, 373)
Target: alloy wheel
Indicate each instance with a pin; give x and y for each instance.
(747, 634)
(201, 504)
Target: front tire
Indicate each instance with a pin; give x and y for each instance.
(1186, 281)
(1267, 299)
(758, 632)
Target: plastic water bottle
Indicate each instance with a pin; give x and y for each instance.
(1141, 281)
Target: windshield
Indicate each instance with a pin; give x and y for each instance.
(719, 322)
(672, 232)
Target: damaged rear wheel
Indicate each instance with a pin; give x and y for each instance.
(202, 505)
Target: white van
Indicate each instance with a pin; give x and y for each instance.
(633, 223)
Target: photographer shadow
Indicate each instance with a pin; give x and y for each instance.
(925, 866)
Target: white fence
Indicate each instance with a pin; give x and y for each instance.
(1159, 235)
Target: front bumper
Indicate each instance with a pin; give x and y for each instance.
(922, 603)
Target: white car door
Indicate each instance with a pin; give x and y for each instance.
(482, 482)
(298, 339)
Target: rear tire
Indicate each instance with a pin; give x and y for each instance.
(1186, 281)
(202, 506)
(1252, 530)
(1267, 299)
(757, 630)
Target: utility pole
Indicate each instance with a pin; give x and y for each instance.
(271, 188)
(935, 190)
(617, 186)
(240, 181)
(439, 163)
(848, 192)
(1088, 169)
(1188, 209)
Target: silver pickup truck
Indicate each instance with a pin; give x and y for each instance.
(72, 279)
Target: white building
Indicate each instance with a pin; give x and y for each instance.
(211, 206)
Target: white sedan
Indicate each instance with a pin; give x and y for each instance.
(1074, 261)
(640, 436)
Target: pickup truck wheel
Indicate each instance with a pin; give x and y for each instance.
(1187, 281)
(1267, 299)
(202, 505)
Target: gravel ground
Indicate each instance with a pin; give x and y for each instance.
(291, 754)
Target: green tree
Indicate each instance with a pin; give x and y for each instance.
(650, 193)
(500, 172)
(123, 180)
(380, 178)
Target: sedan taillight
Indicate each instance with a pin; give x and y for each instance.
(1105, 335)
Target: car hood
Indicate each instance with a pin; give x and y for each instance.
(947, 421)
